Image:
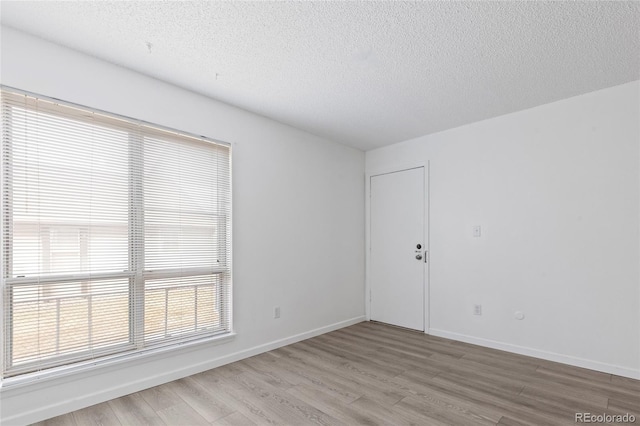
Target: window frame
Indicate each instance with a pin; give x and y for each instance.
(136, 274)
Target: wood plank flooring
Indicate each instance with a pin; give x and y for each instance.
(374, 374)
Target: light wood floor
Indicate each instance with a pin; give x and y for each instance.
(374, 374)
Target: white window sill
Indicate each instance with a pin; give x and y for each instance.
(79, 370)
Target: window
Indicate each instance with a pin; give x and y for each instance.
(115, 235)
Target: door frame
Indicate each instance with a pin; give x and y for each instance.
(383, 171)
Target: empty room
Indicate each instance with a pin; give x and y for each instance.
(320, 212)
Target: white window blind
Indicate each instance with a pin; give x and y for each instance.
(115, 235)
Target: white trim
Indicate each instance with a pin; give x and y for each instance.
(426, 283)
(537, 353)
(396, 168)
(112, 115)
(92, 366)
(100, 395)
(427, 246)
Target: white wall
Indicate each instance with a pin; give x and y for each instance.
(298, 221)
(556, 190)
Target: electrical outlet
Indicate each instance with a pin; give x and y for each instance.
(276, 312)
(477, 309)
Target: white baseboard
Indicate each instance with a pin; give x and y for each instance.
(536, 353)
(87, 399)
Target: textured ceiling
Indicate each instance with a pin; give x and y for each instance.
(365, 74)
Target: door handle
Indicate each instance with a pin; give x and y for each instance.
(419, 256)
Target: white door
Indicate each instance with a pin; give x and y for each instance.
(398, 248)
